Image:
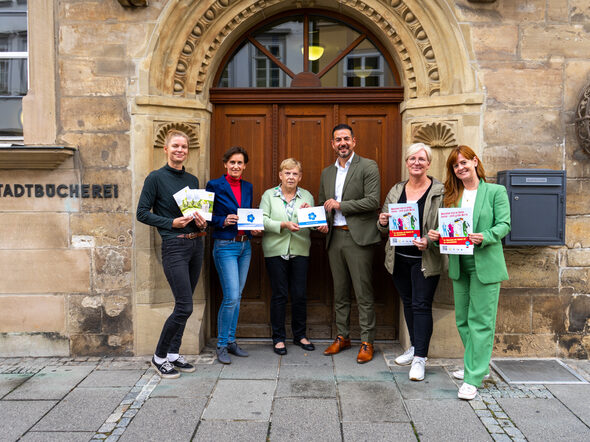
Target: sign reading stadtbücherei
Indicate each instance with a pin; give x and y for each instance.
(454, 226)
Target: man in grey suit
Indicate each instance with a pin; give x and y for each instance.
(350, 193)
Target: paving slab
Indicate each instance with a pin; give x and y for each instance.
(134, 363)
(436, 384)
(16, 417)
(84, 409)
(347, 369)
(297, 356)
(307, 380)
(446, 419)
(164, 419)
(52, 382)
(371, 401)
(377, 432)
(112, 378)
(297, 419)
(544, 419)
(9, 382)
(574, 397)
(189, 385)
(238, 400)
(231, 430)
(57, 436)
(262, 363)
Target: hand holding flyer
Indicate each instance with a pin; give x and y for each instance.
(312, 216)
(250, 219)
(455, 225)
(404, 224)
(195, 200)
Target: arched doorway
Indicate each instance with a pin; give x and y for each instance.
(280, 90)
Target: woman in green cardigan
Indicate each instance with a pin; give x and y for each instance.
(476, 278)
(286, 253)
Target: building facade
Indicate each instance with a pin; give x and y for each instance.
(107, 79)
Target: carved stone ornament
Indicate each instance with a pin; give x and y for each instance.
(217, 11)
(192, 130)
(481, 1)
(583, 120)
(134, 3)
(435, 135)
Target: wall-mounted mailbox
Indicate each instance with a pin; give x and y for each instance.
(537, 205)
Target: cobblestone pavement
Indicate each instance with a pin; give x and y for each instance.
(300, 396)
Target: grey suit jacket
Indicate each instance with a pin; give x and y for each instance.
(360, 199)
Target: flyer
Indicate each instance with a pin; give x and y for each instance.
(195, 200)
(312, 216)
(404, 224)
(250, 219)
(455, 224)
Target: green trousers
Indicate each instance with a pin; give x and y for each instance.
(352, 267)
(476, 305)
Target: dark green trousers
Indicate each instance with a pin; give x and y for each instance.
(352, 267)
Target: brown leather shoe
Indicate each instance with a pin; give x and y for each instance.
(339, 344)
(365, 353)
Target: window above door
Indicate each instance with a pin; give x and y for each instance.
(13, 68)
(308, 50)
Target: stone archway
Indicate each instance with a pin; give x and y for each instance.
(432, 58)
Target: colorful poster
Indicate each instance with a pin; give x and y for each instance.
(455, 225)
(195, 200)
(312, 216)
(250, 219)
(404, 224)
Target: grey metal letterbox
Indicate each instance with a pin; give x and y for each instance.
(537, 205)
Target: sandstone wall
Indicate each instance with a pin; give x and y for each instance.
(533, 60)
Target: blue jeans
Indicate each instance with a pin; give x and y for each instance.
(232, 261)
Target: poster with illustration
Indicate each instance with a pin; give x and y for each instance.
(455, 225)
(404, 225)
(195, 200)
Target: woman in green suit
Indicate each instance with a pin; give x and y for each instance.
(286, 253)
(476, 278)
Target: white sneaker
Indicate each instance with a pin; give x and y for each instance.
(417, 370)
(460, 374)
(467, 391)
(406, 358)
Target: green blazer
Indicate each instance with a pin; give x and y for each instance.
(361, 195)
(491, 216)
(277, 242)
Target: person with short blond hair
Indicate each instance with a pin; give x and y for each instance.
(286, 254)
(182, 247)
(415, 269)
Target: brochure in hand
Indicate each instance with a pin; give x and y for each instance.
(195, 200)
(455, 224)
(250, 219)
(312, 216)
(404, 224)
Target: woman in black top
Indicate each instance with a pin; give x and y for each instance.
(416, 269)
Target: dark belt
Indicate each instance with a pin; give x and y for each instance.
(341, 227)
(240, 238)
(192, 235)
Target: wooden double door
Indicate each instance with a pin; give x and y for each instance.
(273, 130)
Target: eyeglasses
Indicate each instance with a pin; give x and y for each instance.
(412, 160)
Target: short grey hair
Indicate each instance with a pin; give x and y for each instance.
(417, 147)
(290, 163)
